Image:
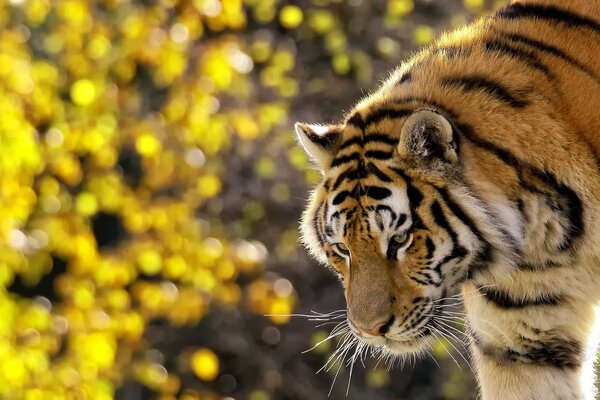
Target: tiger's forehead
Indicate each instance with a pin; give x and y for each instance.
(364, 192)
(366, 211)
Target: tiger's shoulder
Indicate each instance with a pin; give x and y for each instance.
(524, 81)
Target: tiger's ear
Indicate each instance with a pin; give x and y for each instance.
(319, 141)
(427, 136)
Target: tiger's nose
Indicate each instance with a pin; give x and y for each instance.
(379, 329)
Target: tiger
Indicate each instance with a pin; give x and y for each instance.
(475, 169)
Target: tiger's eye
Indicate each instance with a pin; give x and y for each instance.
(396, 243)
(341, 248)
(401, 239)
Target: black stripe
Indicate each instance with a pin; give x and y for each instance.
(328, 231)
(385, 113)
(341, 177)
(344, 159)
(440, 219)
(401, 220)
(327, 228)
(427, 102)
(572, 207)
(522, 211)
(349, 174)
(504, 155)
(352, 141)
(357, 121)
(380, 138)
(504, 300)
(340, 197)
(548, 13)
(557, 352)
(461, 215)
(415, 310)
(377, 192)
(378, 154)
(406, 77)
(325, 140)
(526, 57)
(429, 280)
(548, 49)
(452, 52)
(371, 168)
(484, 254)
(317, 227)
(415, 197)
(539, 266)
(458, 251)
(415, 323)
(315, 222)
(382, 207)
(483, 84)
(430, 247)
(335, 215)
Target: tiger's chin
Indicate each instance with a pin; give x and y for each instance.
(402, 347)
(414, 346)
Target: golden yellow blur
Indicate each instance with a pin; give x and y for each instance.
(133, 136)
(205, 364)
(73, 111)
(291, 16)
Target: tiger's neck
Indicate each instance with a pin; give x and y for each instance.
(532, 324)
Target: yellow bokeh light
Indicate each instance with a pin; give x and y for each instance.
(205, 364)
(98, 47)
(34, 394)
(86, 203)
(400, 8)
(13, 370)
(147, 145)
(245, 126)
(279, 310)
(83, 92)
(423, 34)
(83, 298)
(175, 267)
(474, 4)
(291, 16)
(150, 262)
(322, 21)
(209, 185)
(97, 349)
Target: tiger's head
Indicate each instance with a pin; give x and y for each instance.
(389, 217)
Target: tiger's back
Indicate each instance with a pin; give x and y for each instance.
(476, 165)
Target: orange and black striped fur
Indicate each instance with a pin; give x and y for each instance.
(476, 166)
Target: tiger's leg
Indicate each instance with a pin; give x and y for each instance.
(541, 348)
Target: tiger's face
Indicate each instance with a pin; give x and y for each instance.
(384, 222)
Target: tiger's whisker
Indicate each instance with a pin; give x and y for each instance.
(331, 336)
(440, 340)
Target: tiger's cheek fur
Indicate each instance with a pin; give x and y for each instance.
(420, 262)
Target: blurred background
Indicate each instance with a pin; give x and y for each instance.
(150, 190)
